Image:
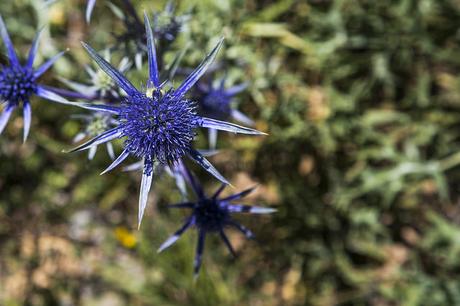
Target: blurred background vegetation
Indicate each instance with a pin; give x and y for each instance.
(361, 99)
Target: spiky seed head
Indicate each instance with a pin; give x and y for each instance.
(159, 128)
(211, 214)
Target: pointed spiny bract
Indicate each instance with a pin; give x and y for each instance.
(99, 85)
(89, 10)
(215, 102)
(212, 215)
(95, 124)
(18, 83)
(158, 125)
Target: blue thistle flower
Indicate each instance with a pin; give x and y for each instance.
(158, 124)
(213, 215)
(216, 102)
(18, 83)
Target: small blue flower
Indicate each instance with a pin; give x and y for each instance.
(216, 102)
(19, 82)
(213, 215)
(158, 124)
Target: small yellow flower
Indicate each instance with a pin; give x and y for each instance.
(57, 14)
(125, 237)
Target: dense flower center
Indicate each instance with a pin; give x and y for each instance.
(210, 215)
(158, 128)
(216, 104)
(16, 83)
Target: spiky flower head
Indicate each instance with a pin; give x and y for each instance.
(16, 84)
(213, 215)
(158, 124)
(19, 82)
(159, 127)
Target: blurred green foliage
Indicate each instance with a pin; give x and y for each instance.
(362, 102)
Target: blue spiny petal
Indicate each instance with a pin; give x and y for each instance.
(43, 68)
(102, 138)
(219, 191)
(151, 53)
(228, 127)
(236, 89)
(171, 240)
(27, 113)
(9, 45)
(239, 195)
(199, 252)
(33, 50)
(117, 76)
(117, 161)
(236, 208)
(198, 72)
(227, 242)
(89, 10)
(203, 162)
(5, 116)
(146, 183)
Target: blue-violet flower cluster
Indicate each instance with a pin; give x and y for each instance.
(158, 123)
(19, 82)
(213, 215)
